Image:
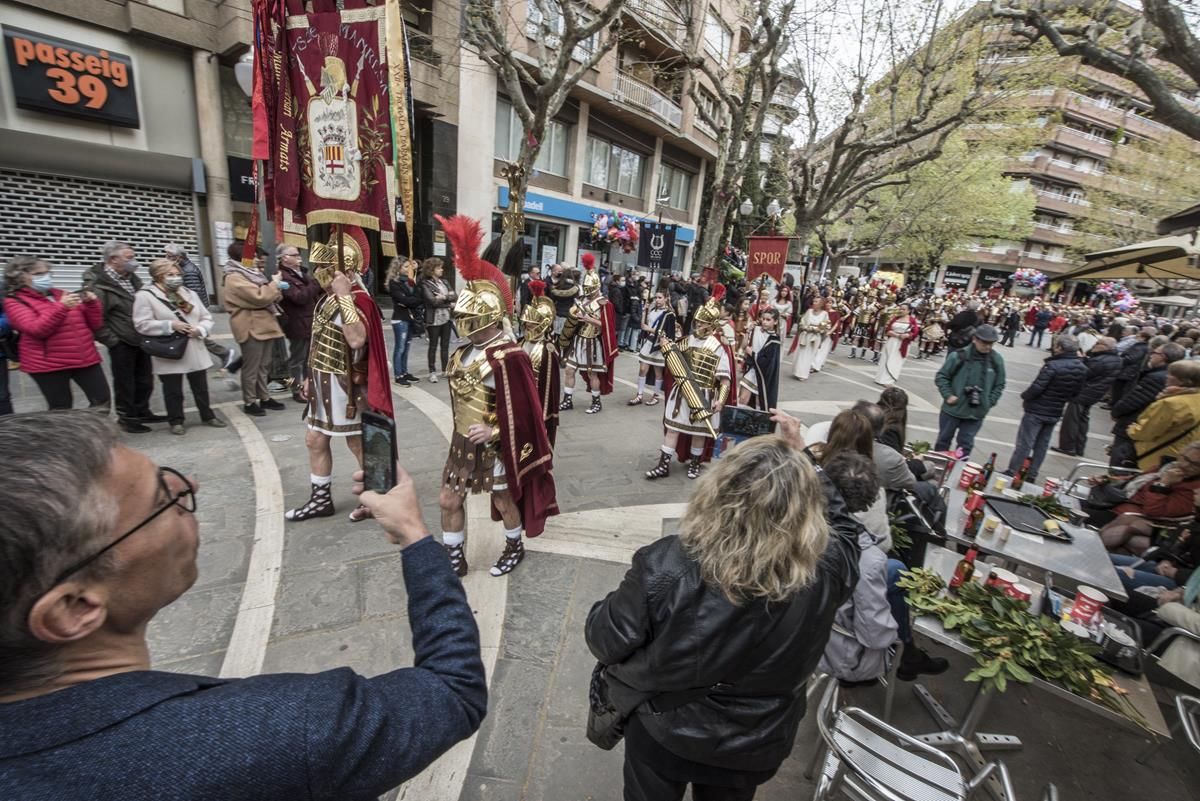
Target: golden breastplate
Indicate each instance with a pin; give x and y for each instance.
(537, 353)
(704, 360)
(329, 352)
(471, 399)
(589, 308)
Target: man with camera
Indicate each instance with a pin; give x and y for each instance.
(970, 381)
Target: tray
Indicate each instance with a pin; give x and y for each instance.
(1131, 665)
(1023, 517)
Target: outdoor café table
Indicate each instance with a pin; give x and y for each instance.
(963, 736)
(1084, 559)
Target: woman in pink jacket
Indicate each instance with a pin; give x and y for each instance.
(55, 330)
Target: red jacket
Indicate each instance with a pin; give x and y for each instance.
(53, 337)
(1179, 502)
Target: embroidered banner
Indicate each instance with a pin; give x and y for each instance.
(767, 254)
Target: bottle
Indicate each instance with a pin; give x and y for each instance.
(1019, 479)
(988, 469)
(974, 521)
(963, 570)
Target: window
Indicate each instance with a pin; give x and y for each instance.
(675, 185)
(549, 25)
(707, 103)
(718, 39)
(552, 158)
(614, 167)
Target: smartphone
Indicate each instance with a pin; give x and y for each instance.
(742, 422)
(379, 452)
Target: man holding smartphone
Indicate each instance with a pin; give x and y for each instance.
(348, 368)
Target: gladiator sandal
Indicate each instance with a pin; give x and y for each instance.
(595, 407)
(514, 552)
(319, 504)
(458, 558)
(694, 467)
(662, 469)
(853, 353)
(568, 403)
(636, 400)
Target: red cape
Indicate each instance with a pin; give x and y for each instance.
(524, 446)
(683, 448)
(608, 346)
(835, 329)
(379, 387)
(914, 330)
(549, 381)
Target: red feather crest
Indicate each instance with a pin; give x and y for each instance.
(589, 261)
(537, 288)
(718, 291)
(465, 235)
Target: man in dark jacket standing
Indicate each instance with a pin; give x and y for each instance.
(83, 716)
(1041, 321)
(970, 381)
(1012, 327)
(1103, 364)
(1135, 400)
(1060, 380)
(1133, 359)
(115, 283)
(618, 296)
(299, 299)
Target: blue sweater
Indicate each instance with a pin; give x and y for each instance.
(333, 735)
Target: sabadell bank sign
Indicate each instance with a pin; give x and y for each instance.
(55, 76)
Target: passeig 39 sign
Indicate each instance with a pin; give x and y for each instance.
(60, 77)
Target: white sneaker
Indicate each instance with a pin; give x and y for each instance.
(433, 378)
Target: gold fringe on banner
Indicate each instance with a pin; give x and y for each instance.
(397, 59)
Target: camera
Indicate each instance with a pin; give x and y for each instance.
(974, 395)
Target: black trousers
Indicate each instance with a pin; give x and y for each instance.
(172, 385)
(1010, 336)
(1072, 436)
(6, 406)
(56, 386)
(133, 380)
(645, 781)
(439, 338)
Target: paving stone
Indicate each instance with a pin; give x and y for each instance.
(567, 767)
(383, 591)
(199, 622)
(222, 561)
(202, 665)
(480, 788)
(506, 739)
(533, 626)
(315, 599)
(331, 541)
(369, 648)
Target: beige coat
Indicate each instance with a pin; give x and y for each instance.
(152, 318)
(1182, 656)
(250, 316)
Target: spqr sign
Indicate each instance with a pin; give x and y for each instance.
(61, 77)
(767, 254)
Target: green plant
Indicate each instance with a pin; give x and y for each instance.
(919, 447)
(901, 541)
(1010, 644)
(1048, 504)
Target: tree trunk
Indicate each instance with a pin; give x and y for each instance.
(713, 230)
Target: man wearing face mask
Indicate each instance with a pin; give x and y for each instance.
(115, 282)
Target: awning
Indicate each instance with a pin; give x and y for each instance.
(1169, 258)
(1182, 301)
(1180, 220)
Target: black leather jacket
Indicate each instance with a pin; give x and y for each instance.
(665, 630)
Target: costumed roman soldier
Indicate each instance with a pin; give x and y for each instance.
(538, 340)
(589, 340)
(499, 443)
(866, 319)
(933, 328)
(348, 366)
(839, 317)
(701, 371)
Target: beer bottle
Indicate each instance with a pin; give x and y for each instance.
(964, 570)
(1019, 479)
(988, 469)
(974, 521)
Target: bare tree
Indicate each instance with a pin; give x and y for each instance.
(570, 38)
(743, 99)
(1158, 52)
(883, 103)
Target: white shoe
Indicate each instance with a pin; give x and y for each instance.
(433, 378)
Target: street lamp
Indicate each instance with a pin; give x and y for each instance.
(773, 212)
(243, 71)
(747, 208)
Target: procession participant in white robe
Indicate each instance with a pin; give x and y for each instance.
(900, 330)
(760, 372)
(657, 321)
(811, 332)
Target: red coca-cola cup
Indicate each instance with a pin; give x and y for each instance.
(1088, 602)
(970, 472)
(1050, 487)
(1001, 579)
(1019, 591)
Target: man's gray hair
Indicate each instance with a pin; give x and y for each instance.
(1067, 343)
(973, 305)
(53, 512)
(175, 250)
(1173, 351)
(874, 414)
(111, 249)
(282, 248)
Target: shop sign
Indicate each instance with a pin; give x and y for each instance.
(988, 277)
(60, 77)
(241, 180)
(957, 277)
(556, 208)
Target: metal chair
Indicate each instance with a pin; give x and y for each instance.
(1075, 486)
(1188, 706)
(867, 760)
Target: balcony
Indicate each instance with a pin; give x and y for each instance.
(1052, 234)
(1056, 201)
(646, 97)
(703, 127)
(1082, 141)
(659, 16)
(1105, 113)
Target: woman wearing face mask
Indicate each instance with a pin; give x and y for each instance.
(167, 306)
(55, 329)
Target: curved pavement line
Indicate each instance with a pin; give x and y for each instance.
(252, 628)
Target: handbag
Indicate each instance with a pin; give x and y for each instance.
(1107, 495)
(606, 722)
(166, 346)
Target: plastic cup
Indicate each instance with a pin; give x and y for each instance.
(1002, 579)
(970, 472)
(1001, 484)
(1019, 591)
(1088, 602)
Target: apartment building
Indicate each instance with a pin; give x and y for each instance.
(629, 139)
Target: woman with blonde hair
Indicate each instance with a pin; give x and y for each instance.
(166, 307)
(709, 641)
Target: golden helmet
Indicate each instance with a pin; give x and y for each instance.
(708, 316)
(591, 281)
(538, 315)
(323, 255)
(486, 299)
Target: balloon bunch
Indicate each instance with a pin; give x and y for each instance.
(1116, 294)
(1027, 276)
(614, 228)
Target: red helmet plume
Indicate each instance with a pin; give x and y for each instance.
(589, 261)
(465, 234)
(718, 291)
(537, 288)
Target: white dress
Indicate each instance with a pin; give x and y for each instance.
(646, 353)
(810, 342)
(892, 362)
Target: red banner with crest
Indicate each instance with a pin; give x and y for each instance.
(766, 254)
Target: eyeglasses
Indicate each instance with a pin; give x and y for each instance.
(184, 498)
